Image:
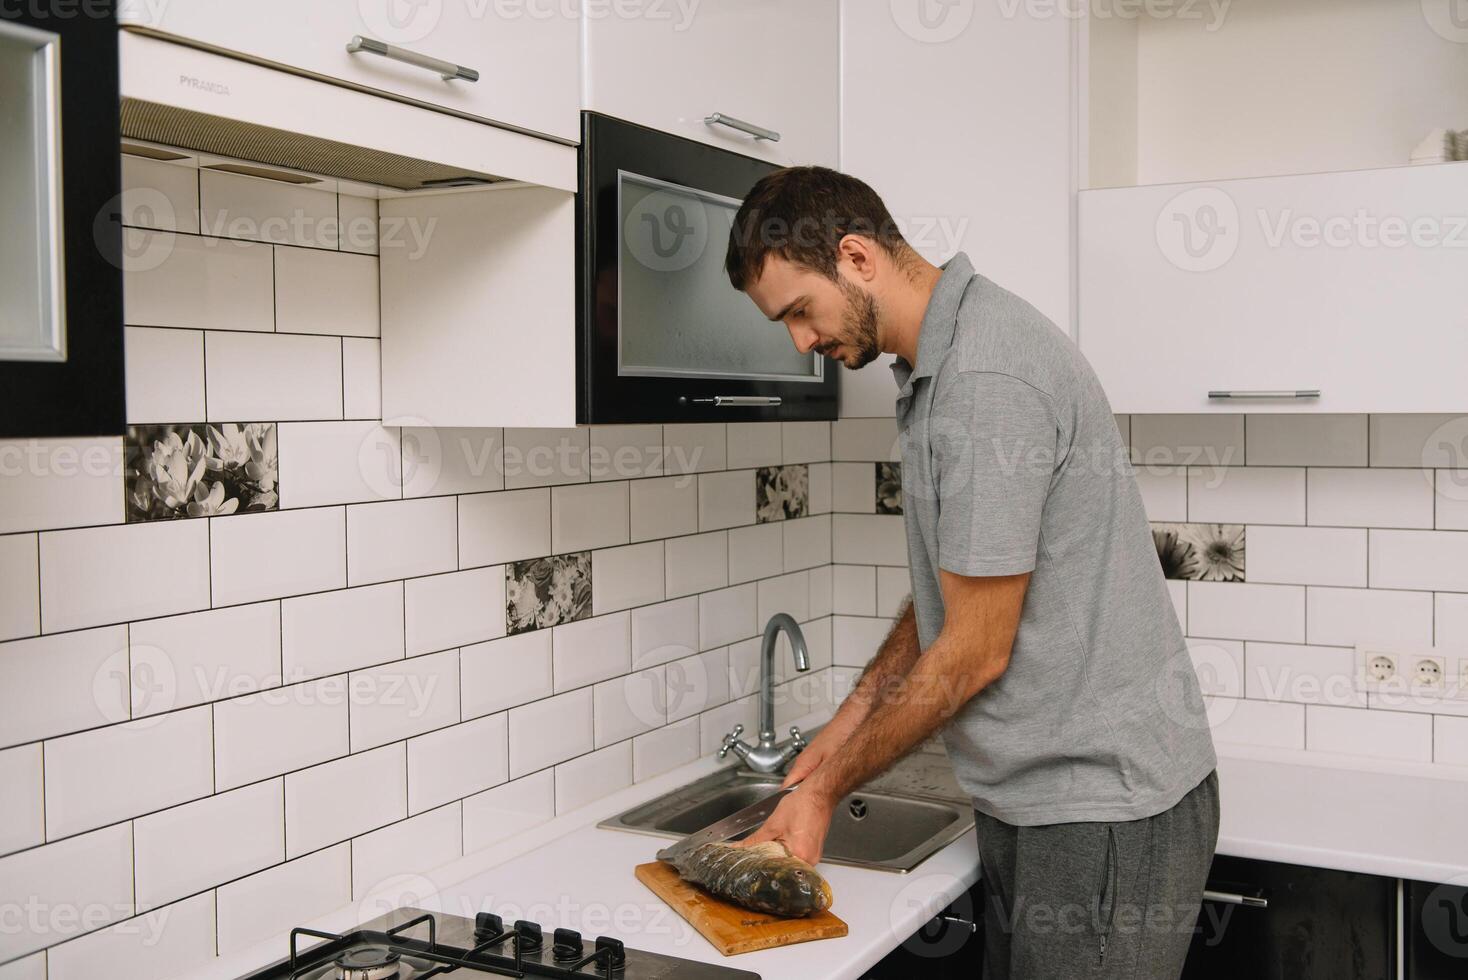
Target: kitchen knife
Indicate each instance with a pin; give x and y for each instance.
(728, 828)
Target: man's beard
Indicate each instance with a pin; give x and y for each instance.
(858, 329)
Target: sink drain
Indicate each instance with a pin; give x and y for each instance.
(858, 809)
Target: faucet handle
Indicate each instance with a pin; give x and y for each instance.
(796, 739)
(731, 740)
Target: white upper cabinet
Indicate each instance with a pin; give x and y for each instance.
(1352, 285)
(512, 64)
(769, 63)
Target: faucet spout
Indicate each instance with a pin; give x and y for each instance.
(779, 623)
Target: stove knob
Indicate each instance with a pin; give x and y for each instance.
(487, 925)
(567, 945)
(528, 935)
(619, 954)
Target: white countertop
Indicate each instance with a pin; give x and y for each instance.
(1386, 818)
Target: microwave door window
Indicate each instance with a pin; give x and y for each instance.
(677, 314)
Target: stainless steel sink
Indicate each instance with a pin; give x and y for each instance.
(892, 824)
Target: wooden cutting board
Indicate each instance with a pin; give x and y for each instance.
(730, 928)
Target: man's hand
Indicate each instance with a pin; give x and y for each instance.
(801, 820)
(820, 748)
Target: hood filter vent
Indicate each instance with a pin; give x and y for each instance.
(207, 133)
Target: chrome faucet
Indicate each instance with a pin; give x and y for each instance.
(767, 756)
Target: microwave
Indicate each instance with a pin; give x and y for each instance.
(663, 336)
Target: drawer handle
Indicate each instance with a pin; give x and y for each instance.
(1302, 393)
(445, 69)
(1234, 898)
(758, 132)
(731, 401)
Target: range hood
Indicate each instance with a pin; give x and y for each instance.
(180, 95)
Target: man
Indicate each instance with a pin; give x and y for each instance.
(1040, 638)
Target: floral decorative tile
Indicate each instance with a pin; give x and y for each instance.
(545, 592)
(199, 470)
(1200, 552)
(889, 488)
(781, 492)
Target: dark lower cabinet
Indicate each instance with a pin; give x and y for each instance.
(1436, 931)
(948, 947)
(1268, 921)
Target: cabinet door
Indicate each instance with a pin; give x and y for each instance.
(1436, 931)
(1317, 924)
(772, 63)
(527, 58)
(1355, 284)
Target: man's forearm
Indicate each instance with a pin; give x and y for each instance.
(884, 672)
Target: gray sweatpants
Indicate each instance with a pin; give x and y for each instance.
(1096, 900)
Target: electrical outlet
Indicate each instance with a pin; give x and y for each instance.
(1376, 669)
(1427, 674)
(1381, 668)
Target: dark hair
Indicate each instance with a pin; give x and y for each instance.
(801, 214)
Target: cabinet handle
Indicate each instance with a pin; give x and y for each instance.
(758, 132)
(446, 69)
(1234, 898)
(1302, 393)
(731, 401)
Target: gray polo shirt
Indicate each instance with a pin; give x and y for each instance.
(1012, 462)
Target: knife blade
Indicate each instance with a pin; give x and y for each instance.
(729, 827)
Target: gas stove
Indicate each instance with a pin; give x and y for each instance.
(411, 944)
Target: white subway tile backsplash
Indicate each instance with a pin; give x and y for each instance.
(695, 447)
(59, 483)
(753, 444)
(401, 539)
(1219, 665)
(863, 539)
(338, 463)
(504, 673)
(267, 556)
(1164, 492)
(1306, 555)
(414, 846)
(664, 508)
(1371, 497)
(1416, 441)
(628, 705)
(1306, 440)
(667, 748)
(1451, 500)
(184, 660)
(807, 542)
(697, 563)
(1450, 616)
(725, 499)
(1380, 734)
(591, 650)
(821, 592)
(91, 871)
(625, 577)
(314, 812)
(1309, 674)
(358, 223)
(275, 901)
(1450, 741)
(99, 575)
(404, 698)
(204, 283)
(274, 377)
(587, 516)
(159, 194)
(495, 528)
(551, 730)
(1346, 617)
(22, 806)
(325, 292)
(109, 774)
(265, 210)
(504, 811)
(805, 442)
(454, 762)
(695, 684)
(756, 551)
(189, 848)
(546, 457)
(1235, 610)
(665, 631)
(51, 685)
(727, 615)
(853, 488)
(894, 585)
(361, 378)
(334, 632)
(1187, 440)
(1273, 724)
(455, 609)
(865, 440)
(626, 452)
(278, 731)
(1419, 560)
(592, 776)
(820, 488)
(20, 586)
(715, 723)
(443, 461)
(164, 374)
(856, 639)
(789, 594)
(157, 944)
(1268, 495)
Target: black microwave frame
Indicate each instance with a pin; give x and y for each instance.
(610, 145)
